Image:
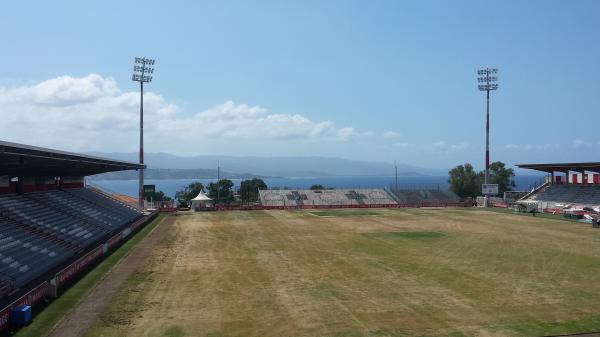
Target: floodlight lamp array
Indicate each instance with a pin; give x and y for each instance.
(141, 78)
(142, 68)
(487, 78)
(486, 87)
(144, 61)
(487, 71)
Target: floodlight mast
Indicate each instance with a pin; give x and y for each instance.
(487, 79)
(396, 169)
(141, 73)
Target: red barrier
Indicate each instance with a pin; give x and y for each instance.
(67, 273)
(4, 317)
(4, 185)
(74, 268)
(33, 296)
(143, 220)
(114, 240)
(30, 298)
(72, 185)
(432, 204)
(408, 205)
(554, 210)
(135, 225)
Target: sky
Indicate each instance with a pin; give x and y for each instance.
(369, 80)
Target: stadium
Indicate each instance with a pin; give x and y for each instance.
(303, 169)
(382, 262)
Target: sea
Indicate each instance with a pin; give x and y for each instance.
(171, 186)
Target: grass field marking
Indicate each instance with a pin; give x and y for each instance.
(344, 307)
(47, 320)
(339, 213)
(406, 234)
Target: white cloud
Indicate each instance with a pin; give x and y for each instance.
(230, 120)
(459, 147)
(345, 133)
(61, 91)
(443, 146)
(520, 147)
(92, 113)
(579, 144)
(437, 147)
(533, 147)
(391, 134)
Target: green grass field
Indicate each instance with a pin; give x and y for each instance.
(392, 272)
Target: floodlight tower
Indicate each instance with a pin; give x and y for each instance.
(142, 72)
(487, 79)
(396, 168)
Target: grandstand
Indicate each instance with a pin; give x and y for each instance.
(373, 197)
(575, 194)
(51, 226)
(340, 197)
(575, 184)
(422, 194)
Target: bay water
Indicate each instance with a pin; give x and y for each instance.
(171, 186)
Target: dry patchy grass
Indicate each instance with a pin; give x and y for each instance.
(414, 272)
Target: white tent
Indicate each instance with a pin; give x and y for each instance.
(527, 206)
(201, 201)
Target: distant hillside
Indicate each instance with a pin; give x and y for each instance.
(173, 174)
(276, 166)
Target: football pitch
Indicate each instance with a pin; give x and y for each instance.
(380, 272)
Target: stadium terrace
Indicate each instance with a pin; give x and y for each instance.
(53, 228)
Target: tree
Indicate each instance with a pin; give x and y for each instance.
(156, 196)
(317, 187)
(464, 181)
(188, 193)
(249, 189)
(221, 191)
(499, 174)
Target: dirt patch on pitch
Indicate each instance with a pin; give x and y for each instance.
(95, 302)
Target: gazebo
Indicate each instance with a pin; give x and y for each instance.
(201, 201)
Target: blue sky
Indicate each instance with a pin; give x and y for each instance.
(373, 80)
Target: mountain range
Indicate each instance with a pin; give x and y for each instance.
(173, 166)
(158, 174)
